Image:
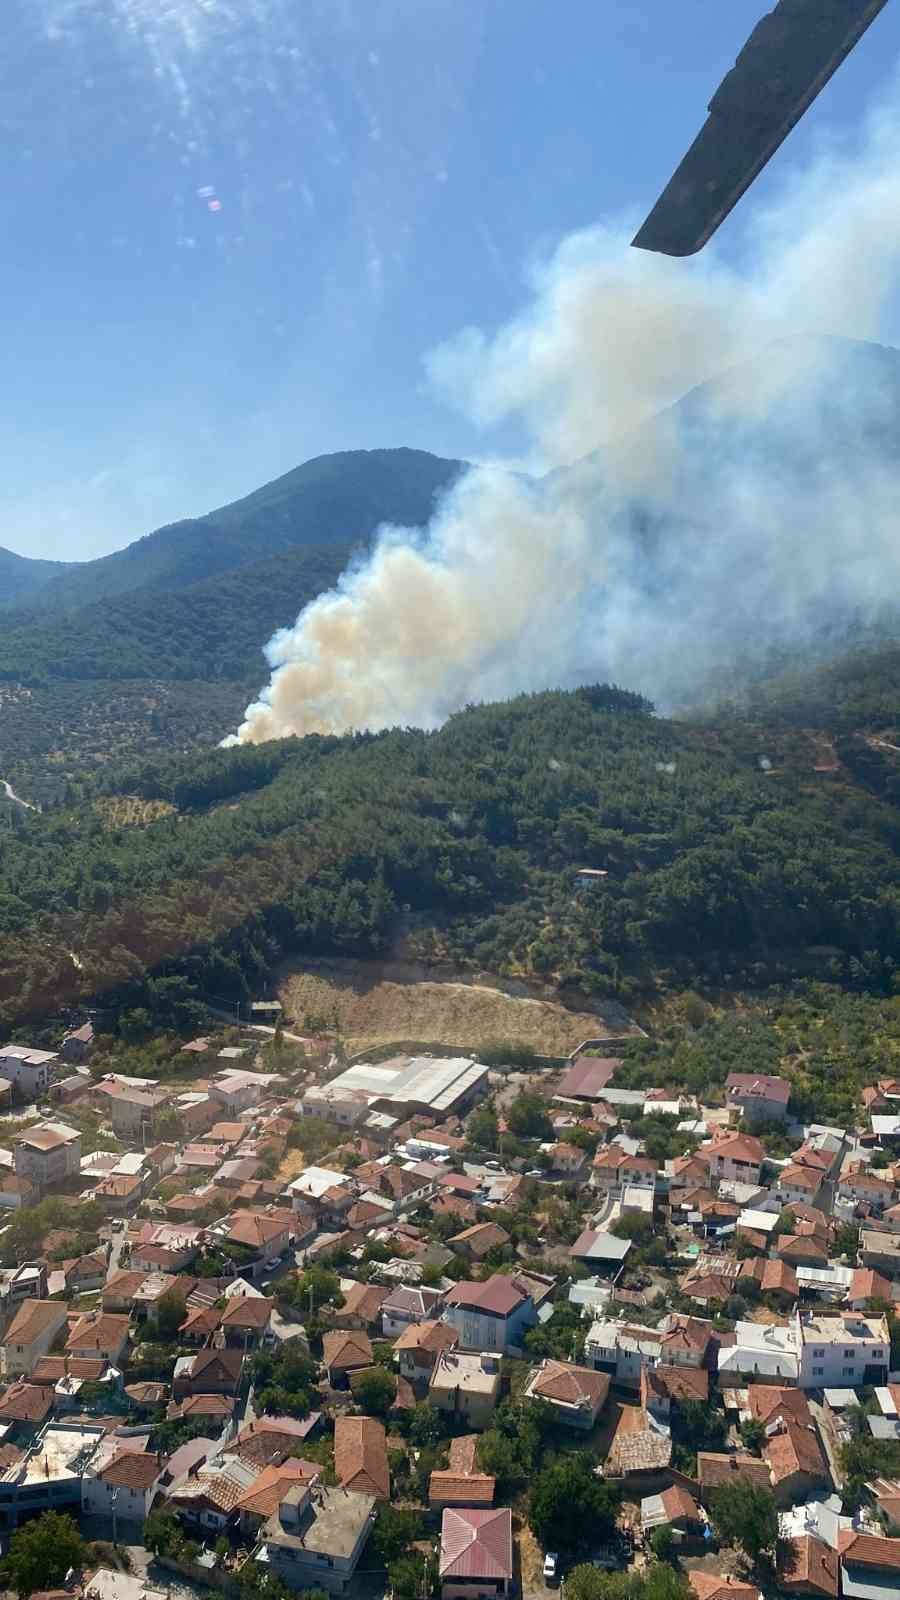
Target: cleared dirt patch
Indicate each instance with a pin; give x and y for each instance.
(370, 1008)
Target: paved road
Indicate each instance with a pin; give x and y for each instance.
(16, 799)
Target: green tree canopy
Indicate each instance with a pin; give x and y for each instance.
(744, 1514)
(570, 1508)
(41, 1553)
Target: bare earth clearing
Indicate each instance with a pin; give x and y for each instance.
(370, 1008)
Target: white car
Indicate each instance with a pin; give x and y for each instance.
(273, 1263)
(551, 1566)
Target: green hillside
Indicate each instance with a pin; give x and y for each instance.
(462, 845)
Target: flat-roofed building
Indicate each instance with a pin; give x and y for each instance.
(406, 1084)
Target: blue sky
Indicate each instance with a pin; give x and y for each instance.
(233, 229)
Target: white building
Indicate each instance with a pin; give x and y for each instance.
(763, 1351)
(28, 1070)
(121, 1483)
(842, 1350)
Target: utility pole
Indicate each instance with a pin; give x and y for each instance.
(113, 1498)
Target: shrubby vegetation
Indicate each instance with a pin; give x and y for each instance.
(716, 873)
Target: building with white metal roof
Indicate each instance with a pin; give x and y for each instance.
(414, 1083)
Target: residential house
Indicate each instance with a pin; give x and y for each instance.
(100, 1335)
(716, 1471)
(761, 1351)
(23, 1407)
(317, 1537)
(16, 1192)
(569, 1159)
(362, 1306)
(466, 1386)
(245, 1320)
(576, 1394)
(419, 1346)
(879, 1249)
(623, 1350)
(238, 1091)
(165, 1246)
(47, 1154)
(613, 1169)
(262, 1499)
(474, 1243)
(272, 1438)
(675, 1508)
(266, 1236)
(859, 1182)
(870, 1566)
(209, 1372)
(758, 1098)
(345, 1351)
(808, 1566)
(663, 1386)
(30, 1335)
(476, 1559)
(715, 1586)
(455, 1489)
(78, 1045)
(492, 1315)
(124, 1485)
(132, 1111)
(28, 1071)
(119, 1193)
(864, 1285)
(737, 1157)
(841, 1350)
(360, 1456)
(406, 1305)
(799, 1182)
(796, 1461)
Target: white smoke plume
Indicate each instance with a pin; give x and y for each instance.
(764, 506)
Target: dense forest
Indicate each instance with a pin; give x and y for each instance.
(731, 861)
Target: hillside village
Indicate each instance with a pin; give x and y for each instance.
(290, 1323)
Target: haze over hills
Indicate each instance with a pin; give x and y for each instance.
(333, 499)
(21, 578)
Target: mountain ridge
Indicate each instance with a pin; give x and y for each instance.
(339, 498)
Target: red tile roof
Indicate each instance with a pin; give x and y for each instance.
(476, 1544)
(360, 1456)
(497, 1294)
(808, 1563)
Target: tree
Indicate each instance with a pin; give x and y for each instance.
(744, 1514)
(426, 1425)
(162, 1533)
(412, 1577)
(376, 1391)
(659, 1581)
(395, 1530)
(316, 1287)
(528, 1118)
(42, 1552)
(753, 1435)
(570, 1508)
(662, 1542)
(170, 1312)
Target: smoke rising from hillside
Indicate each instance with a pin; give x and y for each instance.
(759, 509)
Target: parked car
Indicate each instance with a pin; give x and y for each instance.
(273, 1263)
(551, 1567)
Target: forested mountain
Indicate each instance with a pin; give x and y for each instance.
(21, 578)
(734, 855)
(336, 499)
(161, 645)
